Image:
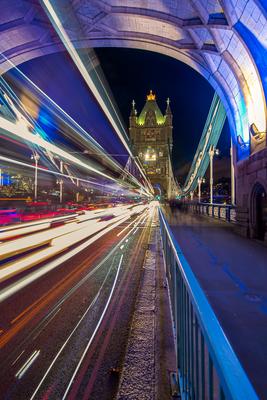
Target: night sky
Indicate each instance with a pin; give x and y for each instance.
(131, 74)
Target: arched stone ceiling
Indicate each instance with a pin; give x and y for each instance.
(224, 40)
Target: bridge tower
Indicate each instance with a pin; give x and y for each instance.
(151, 139)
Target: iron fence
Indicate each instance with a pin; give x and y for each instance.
(208, 368)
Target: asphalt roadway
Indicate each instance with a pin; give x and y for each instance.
(64, 335)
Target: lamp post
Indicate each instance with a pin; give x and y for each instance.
(200, 181)
(77, 193)
(212, 152)
(35, 156)
(232, 174)
(60, 181)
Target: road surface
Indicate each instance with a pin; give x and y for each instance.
(64, 320)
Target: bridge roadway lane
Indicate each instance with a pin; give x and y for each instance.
(46, 327)
(232, 270)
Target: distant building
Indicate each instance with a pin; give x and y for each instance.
(151, 139)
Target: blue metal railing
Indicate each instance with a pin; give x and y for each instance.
(219, 211)
(207, 366)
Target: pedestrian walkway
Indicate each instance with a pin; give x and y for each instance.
(232, 271)
(150, 356)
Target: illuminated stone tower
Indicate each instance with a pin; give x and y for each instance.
(151, 138)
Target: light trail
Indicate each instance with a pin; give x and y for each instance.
(81, 67)
(22, 225)
(16, 359)
(21, 163)
(99, 149)
(59, 239)
(74, 329)
(23, 282)
(95, 331)
(27, 365)
(47, 323)
(21, 130)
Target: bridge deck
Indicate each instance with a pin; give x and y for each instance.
(232, 271)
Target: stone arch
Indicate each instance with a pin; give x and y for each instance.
(222, 40)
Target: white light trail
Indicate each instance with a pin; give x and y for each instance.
(25, 281)
(16, 359)
(95, 331)
(21, 130)
(27, 365)
(81, 67)
(99, 149)
(49, 171)
(76, 327)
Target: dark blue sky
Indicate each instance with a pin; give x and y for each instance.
(131, 74)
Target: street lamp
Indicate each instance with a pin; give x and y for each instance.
(232, 173)
(200, 181)
(77, 193)
(60, 183)
(35, 156)
(212, 152)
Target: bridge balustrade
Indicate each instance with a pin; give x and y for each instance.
(207, 366)
(219, 211)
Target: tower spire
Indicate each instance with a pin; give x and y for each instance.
(133, 110)
(168, 108)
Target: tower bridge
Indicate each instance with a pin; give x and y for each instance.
(152, 142)
(124, 286)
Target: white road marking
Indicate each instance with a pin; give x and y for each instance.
(95, 331)
(27, 365)
(67, 340)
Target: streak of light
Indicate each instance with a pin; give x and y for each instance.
(95, 331)
(24, 231)
(59, 239)
(81, 67)
(18, 227)
(100, 149)
(48, 322)
(21, 163)
(71, 334)
(27, 365)
(21, 130)
(54, 104)
(23, 282)
(35, 307)
(124, 229)
(14, 362)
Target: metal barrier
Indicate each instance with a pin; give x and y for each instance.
(219, 211)
(207, 365)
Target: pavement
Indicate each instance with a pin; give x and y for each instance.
(232, 271)
(150, 355)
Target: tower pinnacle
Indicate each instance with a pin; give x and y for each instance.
(151, 96)
(133, 110)
(168, 108)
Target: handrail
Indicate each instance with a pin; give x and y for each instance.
(191, 311)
